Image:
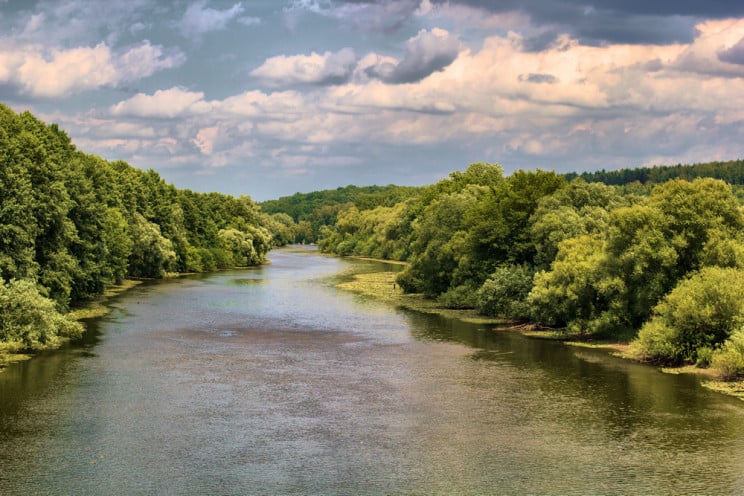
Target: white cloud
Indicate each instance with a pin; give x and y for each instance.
(143, 60)
(567, 105)
(200, 19)
(64, 71)
(259, 105)
(205, 139)
(59, 72)
(328, 68)
(170, 103)
(426, 53)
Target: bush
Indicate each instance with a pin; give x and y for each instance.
(504, 293)
(29, 321)
(728, 361)
(461, 297)
(657, 341)
(408, 282)
(702, 311)
(704, 357)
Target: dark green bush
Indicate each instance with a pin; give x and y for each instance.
(504, 294)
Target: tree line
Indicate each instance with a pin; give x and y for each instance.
(305, 214)
(73, 224)
(731, 171)
(661, 265)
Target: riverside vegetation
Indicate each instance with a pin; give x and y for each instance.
(73, 226)
(658, 264)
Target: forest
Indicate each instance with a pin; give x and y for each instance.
(73, 224)
(653, 257)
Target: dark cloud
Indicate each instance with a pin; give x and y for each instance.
(618, 21)
(540, 42)
(609, 21)
(538, 78)
(594, 23)
(365, 15)
(734, 55)
(426, 53)
(546, 9)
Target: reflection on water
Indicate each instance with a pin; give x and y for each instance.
(269, 381)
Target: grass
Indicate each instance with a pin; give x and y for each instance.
(97, 307)
(731, 388)
(8, 358)
(382, 286)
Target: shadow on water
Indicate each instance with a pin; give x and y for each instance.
(624, 395)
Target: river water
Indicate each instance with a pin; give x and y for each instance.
(270, 381)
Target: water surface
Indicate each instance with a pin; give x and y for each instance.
(270, 381)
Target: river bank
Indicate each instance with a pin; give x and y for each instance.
(382, 286)
(94, 308)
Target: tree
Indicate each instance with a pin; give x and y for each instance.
(570, 292)
(152, 254)
(578, 209)
(499, 224)
(640, 263)
(439, 242)
(694, 211)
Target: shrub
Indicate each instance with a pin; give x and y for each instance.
(504, 293)
(461, 297)
(704, 357)
(702, 311)
(29, 321)
(728, 361)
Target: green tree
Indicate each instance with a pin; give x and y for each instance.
(575, 210)
(499, 224)
(439, 242)
(152, 254)
(570, 292)
(694, 211)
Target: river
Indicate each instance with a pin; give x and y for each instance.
(271, 381)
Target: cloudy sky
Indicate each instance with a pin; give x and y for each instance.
(270, 97)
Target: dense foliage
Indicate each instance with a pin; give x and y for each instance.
(595, 259)
(72, 224)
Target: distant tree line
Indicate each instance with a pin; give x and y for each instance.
(731, 171)
(661, 265)
(73, 224)
(310, 212)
